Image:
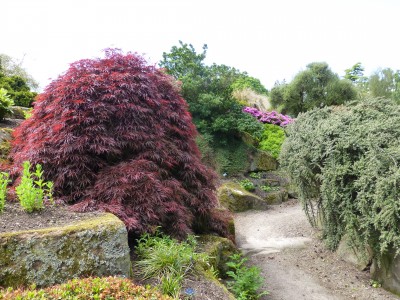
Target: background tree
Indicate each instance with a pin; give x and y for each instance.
(16, 81)
(316, 86)
(10, 67)
(385, 83)
(115, 134)
(208, 91)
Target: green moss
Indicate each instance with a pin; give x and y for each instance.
(219, 249)
(233, 197)
(51, 255)
(263, 161)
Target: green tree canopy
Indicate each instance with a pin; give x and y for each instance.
(317, 86)
(10, 67)
(208, 91)
(385, 83)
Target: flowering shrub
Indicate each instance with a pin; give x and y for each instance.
(114, 134)
(270, 117)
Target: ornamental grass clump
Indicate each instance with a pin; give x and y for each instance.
(168, 261)
(114, 134)
(345, 163)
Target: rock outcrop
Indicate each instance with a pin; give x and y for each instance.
(233, 197)
(97, 246)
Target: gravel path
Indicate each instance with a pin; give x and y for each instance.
(294, 262)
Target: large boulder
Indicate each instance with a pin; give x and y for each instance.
(263, 161)
(97, 246)
(5, 142)
(388, 272)
(276, 197)
(233, 197)
(361, 260)
(219, 249)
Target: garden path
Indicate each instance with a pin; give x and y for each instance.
(294, 262)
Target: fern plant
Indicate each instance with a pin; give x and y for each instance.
(246, 281)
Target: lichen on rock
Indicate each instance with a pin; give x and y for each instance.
(93, 247)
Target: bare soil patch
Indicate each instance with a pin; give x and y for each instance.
(14, 218)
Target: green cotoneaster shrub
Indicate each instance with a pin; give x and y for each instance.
(345, 163)
(272, 139)
(110, 288)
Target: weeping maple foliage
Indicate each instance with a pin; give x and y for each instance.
(114, 134)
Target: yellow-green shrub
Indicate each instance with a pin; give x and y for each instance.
(110, 288)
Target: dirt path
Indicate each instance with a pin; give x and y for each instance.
(294, 263)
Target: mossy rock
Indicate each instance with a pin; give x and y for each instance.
(387, 273)
(219, 249)
(233, 197)
(5, 142)
(18, 112)
(263, 161)
(276, 197)
(97, 246)
(361, 260)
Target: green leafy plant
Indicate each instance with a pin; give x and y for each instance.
(255, 175)
(5, 103)
(266, 188)
(246, 281)
(4, 180)
(247, 185)
(272, 139)
(168, 260)
(33, 190)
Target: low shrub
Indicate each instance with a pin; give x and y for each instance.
(167, 260)
(344, 161)
(272, 139)
(246, 281)
(110, 288)
(33, 190)
(4, 180)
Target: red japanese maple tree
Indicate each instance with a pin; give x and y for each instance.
(114, 134)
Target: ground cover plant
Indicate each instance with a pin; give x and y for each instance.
(110, 288)
(344, 161)
(114, 134)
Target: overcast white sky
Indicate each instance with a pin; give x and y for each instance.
(271, 40)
